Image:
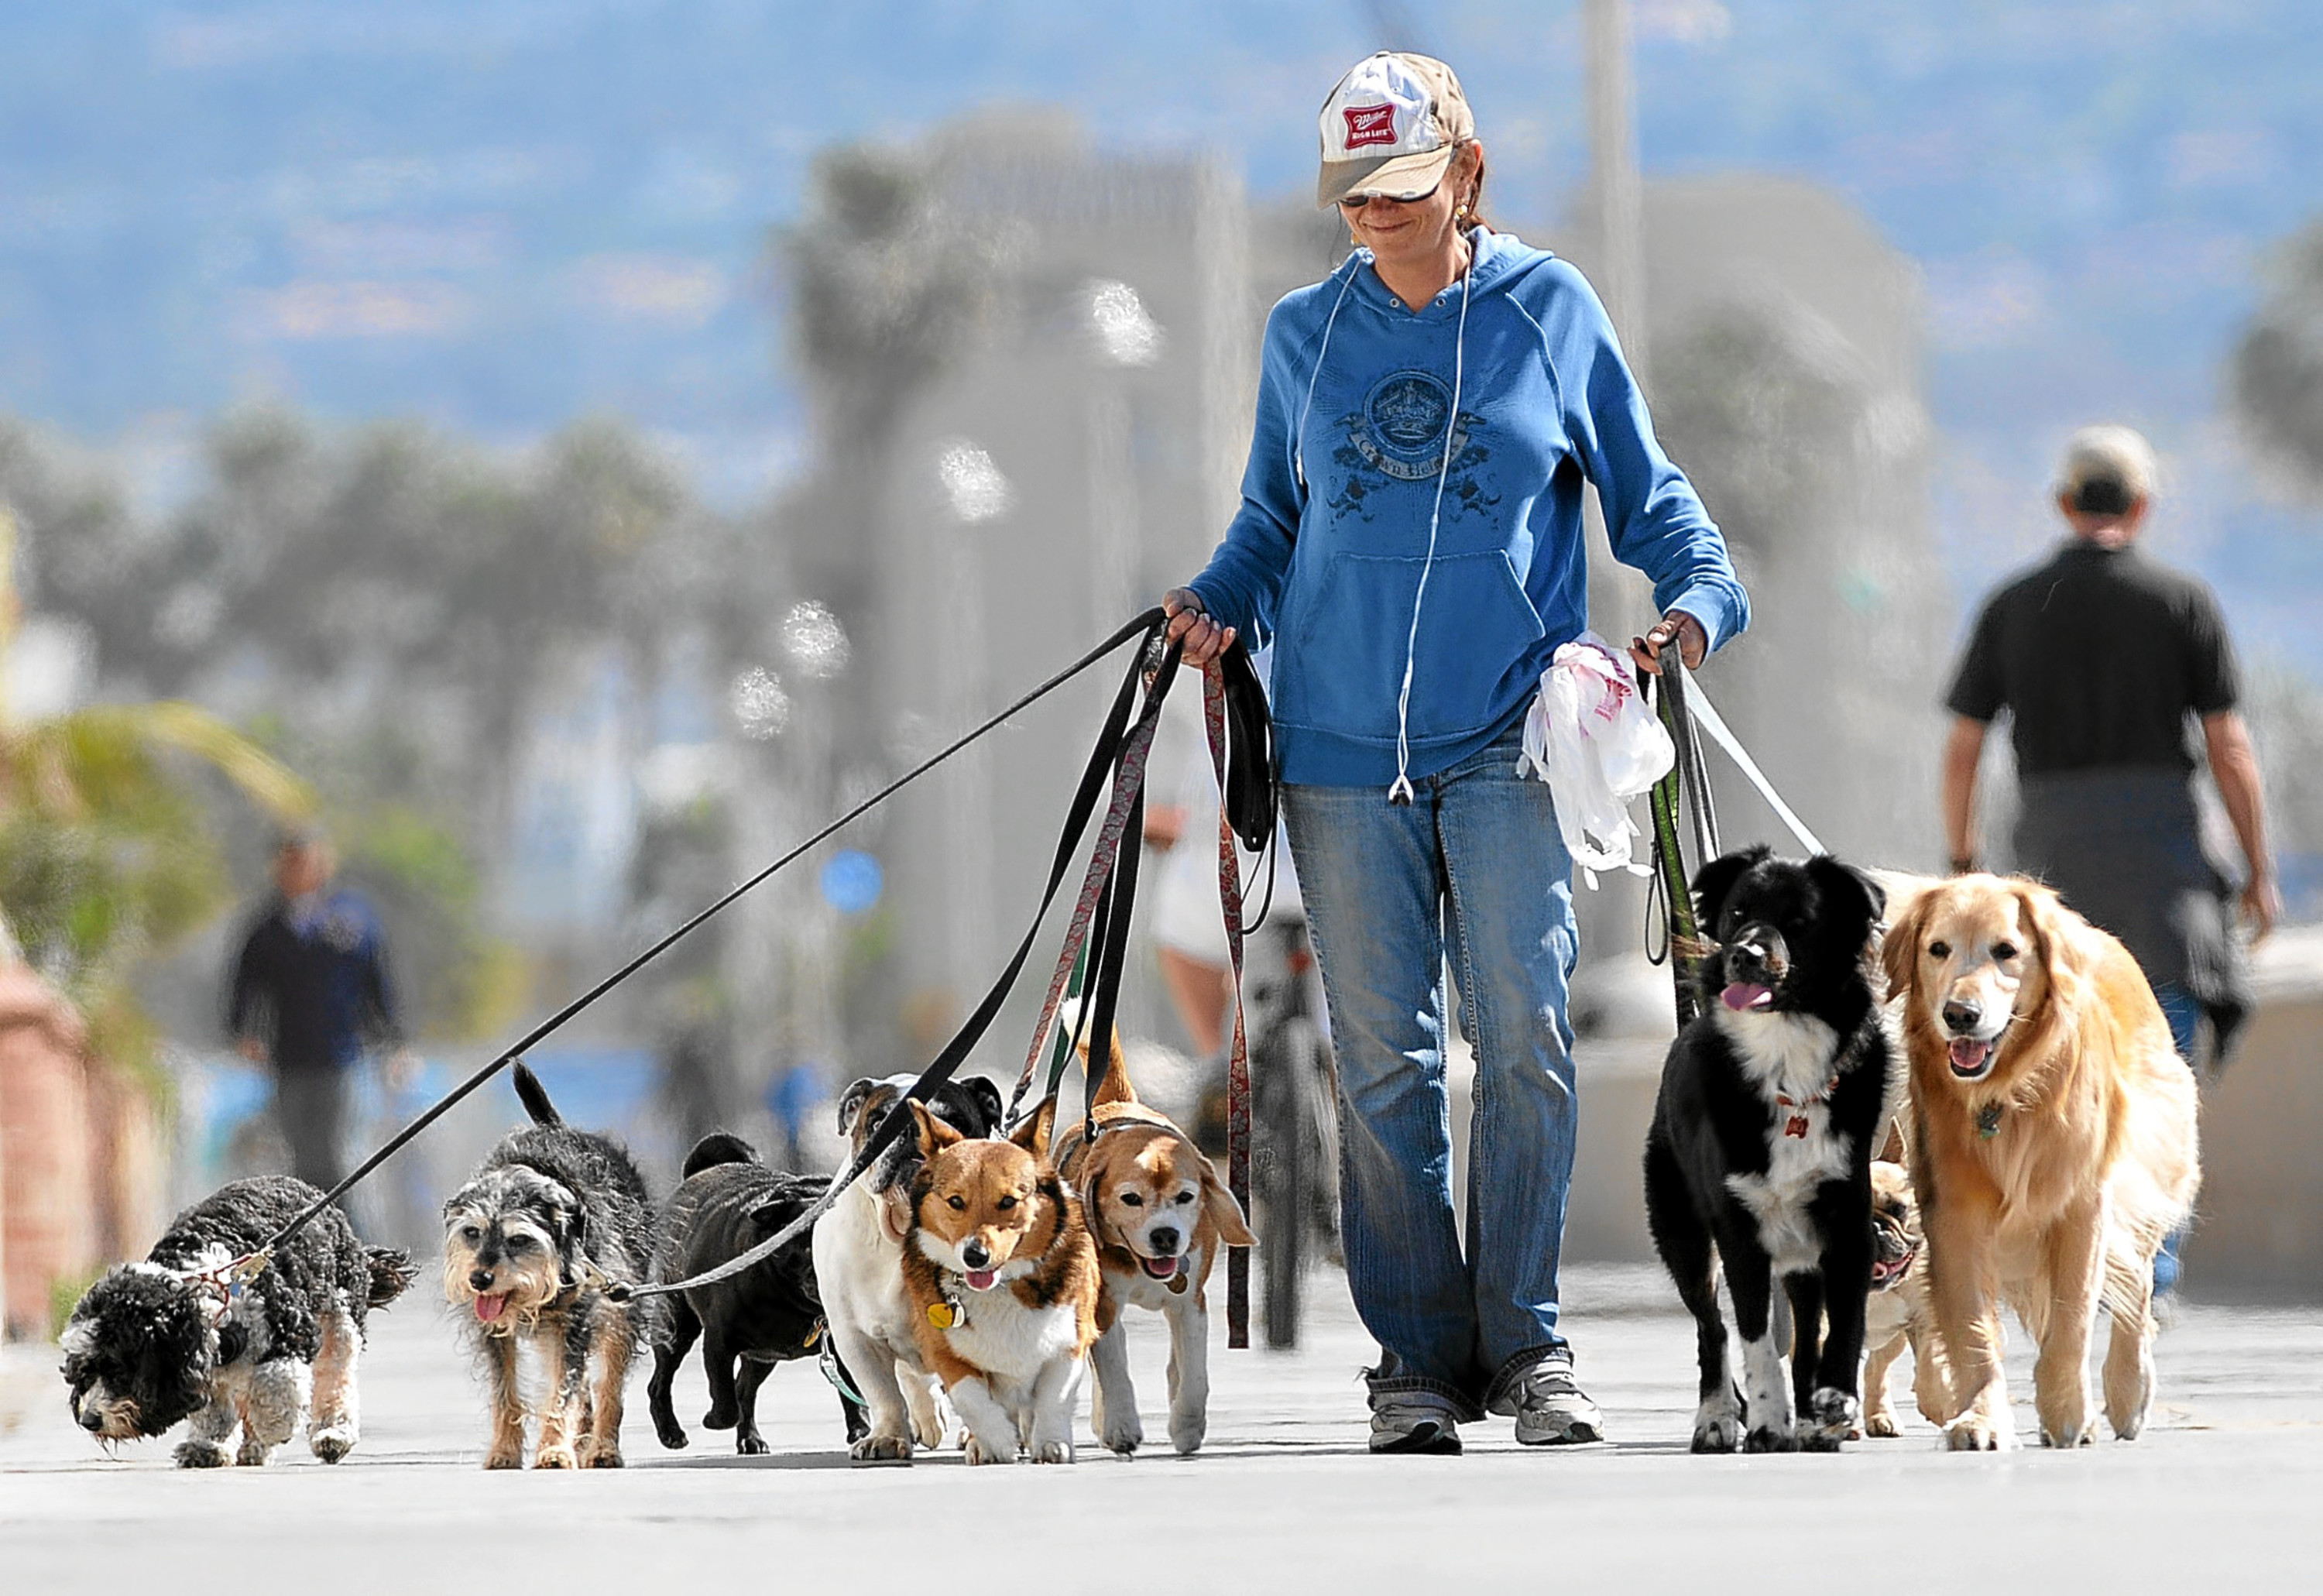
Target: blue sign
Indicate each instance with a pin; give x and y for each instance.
(852, 881)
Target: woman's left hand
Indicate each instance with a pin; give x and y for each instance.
(1692, 642)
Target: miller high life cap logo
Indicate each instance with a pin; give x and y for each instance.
(1370, 124)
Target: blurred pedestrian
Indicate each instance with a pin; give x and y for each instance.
(2106, 661)
(310, 990)
(1411, 538)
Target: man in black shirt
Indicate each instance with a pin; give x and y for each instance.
(310, 988)
(2101, 657)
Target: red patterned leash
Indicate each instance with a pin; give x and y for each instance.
(1214, 719)
(1129, 778)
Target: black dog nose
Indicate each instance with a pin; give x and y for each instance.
(92, 1421)
(974, 1255)
(1963, 1016)
(1163, 1239)
(480, 1279)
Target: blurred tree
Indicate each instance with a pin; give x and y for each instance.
(2275, 375)
(107, 852)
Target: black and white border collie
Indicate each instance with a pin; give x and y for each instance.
(1759, 1155)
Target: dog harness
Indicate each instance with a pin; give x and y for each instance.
(1797, 1125)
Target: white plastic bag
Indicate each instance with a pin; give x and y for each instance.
(1589, 735)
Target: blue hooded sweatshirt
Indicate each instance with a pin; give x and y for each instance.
(1355, 402)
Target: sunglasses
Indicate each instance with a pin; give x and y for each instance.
(1355, 201)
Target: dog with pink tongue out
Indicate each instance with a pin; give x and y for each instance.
(1160, 1217)
(1002, 1281)
(551, 1217)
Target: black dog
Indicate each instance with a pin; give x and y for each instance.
(552, 1217)
(728, 1202)
(173, 1337)
(1759, 1155)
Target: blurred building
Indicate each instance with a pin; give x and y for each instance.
(1086, 457)
(1785, 373)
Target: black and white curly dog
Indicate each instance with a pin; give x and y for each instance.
(170, 1339)
(552, 1218)
(726, 1204)
(1759, 1154)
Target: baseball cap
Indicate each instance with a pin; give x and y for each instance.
(1391, 126)
(2109, 454)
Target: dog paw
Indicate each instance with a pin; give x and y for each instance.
(720, 1417)
(1720, 1434)
(1972, 1433)
(1054, 1452)
(254, 1454)
(1881, 1422)
(203, 1454)
(332, 1444)
(1123, 1435)
(505, 1458)
(979, 1454)
(603, 1457)
(1830, 1420)
(1186, 1434)
(555, 1457)
(2066, 1437)
(750, 1445)
(1767, 1438)
(672, 1436)
(882, 1449)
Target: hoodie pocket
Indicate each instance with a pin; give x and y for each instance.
(1475, 628)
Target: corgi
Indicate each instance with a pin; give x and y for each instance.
(1002, 1281)
(1160, 1216)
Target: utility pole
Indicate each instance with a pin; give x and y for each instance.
(1613, 916)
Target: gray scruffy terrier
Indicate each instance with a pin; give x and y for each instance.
(551, 1218)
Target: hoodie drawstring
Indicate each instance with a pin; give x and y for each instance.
(1299, 433)
(1400, 792)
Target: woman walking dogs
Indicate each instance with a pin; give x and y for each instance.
(1410, 539)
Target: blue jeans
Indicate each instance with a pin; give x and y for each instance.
(1473, 866)
(2185, 1017)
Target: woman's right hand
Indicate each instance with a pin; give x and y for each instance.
(1200, 639)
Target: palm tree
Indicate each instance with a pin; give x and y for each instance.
(107, 853)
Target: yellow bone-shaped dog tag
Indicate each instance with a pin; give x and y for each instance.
(944, 1315)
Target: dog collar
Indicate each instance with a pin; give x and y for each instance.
(1988, 1120)
(1797, 1125)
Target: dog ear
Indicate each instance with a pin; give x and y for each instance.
(1716, 879)
(851, 1102)
(2060, 938)
(1037, 1135)
(1113, 1085)
(1892, 1150)
(1844, 885)
(1224, 1213)
(935, 1135)
(986, 1098)
(1899, 949)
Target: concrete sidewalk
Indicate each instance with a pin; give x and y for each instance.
(2222, 1490)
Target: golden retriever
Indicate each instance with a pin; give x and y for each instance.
(2052, 1147)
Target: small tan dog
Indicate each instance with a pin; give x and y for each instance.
(1160, 1216)
(2053, 1147)
(1004, 1282)
(1898, 1313)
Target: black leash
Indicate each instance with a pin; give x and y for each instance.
(1118, 751)
(1147, 625)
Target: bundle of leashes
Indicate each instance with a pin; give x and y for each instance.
(1241, 749)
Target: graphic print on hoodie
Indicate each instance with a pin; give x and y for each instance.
(1325, 557)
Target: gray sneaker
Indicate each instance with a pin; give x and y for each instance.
(1414, 1421)
(1550, 1408)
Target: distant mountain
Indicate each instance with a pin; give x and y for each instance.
(498, 214)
